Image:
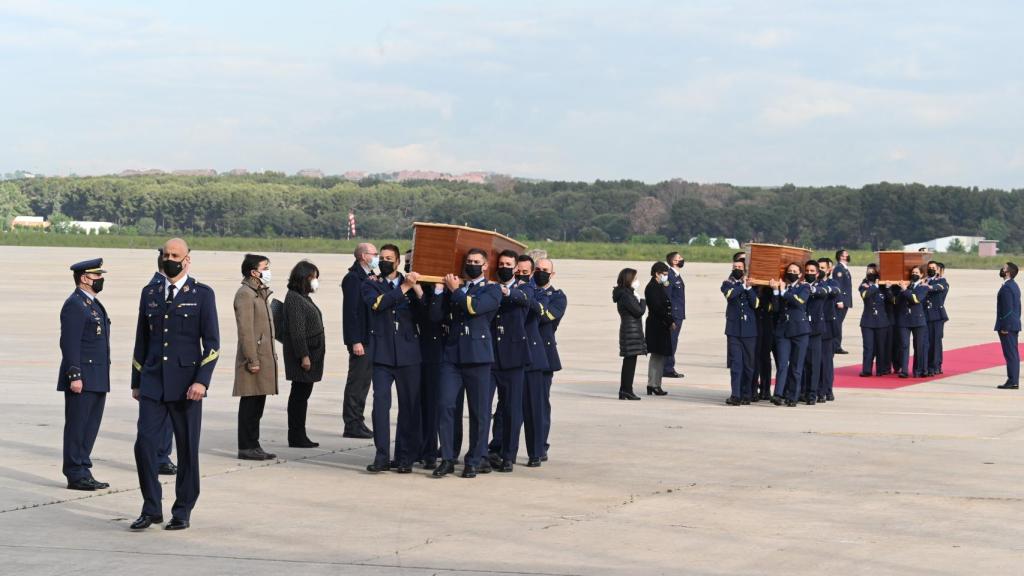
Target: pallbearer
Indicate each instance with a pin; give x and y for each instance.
(828, 333)
(819, 293)
(935, 311)
(741, 332)
(911, 321)
(874, 324)
(765, 347)
(84, 375)
(537, 420)
(791, 333)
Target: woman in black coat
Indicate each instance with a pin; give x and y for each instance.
(304, 348)
(631, 328)
(660, 325)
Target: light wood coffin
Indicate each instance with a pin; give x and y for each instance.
(439, 249)
(768, 261)
(895, 266)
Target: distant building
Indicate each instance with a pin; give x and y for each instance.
(354, 175)
(942, 244)
(988, 248)
(195, 172)
(149, 172)
(730, 242)
(310, 173)
(91, 227)
(239, 172)
(29, 222)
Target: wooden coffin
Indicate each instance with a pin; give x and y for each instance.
(895, 266)
(768, 261)
(439, 249)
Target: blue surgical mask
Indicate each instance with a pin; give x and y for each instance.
(375, 262)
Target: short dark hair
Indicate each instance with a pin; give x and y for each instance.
(671, 255)
(252, 262)
(298, 280)
(811, 263)
(526, 258)
(1011, 269)
(797, 264)
(941, 266)
(840, 251)
(479, 251)
(739, 256)
(658, 268)
(626, 277)
(77, 276)
(825, 259)
(391, 248)
(509, 254)
(872, 265)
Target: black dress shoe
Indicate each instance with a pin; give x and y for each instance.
(302, 443)
(766, 395)
(145, 521)
(362, 434)
(485, 467)
(251, 454)
(99, 485)
(176, 524)
(885, 373)
(84, 484)
(544, 458)
(469, 471)
(904, 375)
(755, 399)
(506, 466)
(841, 351)
(655, 391)
(266, 455)
(403, 469)
(790, 403)
(430, 464)
(446, 467)
(378, 467)
(168, 469)
(777, 400)
(830, 397)
(533, 463)
(812, 401)
(745, 401)
(822, 399)
(494, 459)
(864, 374)
(1008, 386)
(732, 401)
(627, 395)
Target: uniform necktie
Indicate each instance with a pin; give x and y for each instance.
(170, 293)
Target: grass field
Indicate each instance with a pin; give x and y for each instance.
(577, 250)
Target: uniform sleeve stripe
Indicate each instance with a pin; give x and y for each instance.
(729, 293)
(798, 299)
(213, 355)
(136, 365)
(376, 303)
(549, 315)
(469, 305)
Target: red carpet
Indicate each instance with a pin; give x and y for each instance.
(954, 363)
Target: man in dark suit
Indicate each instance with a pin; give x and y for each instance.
(842, 277)
(740, 332)
(468, 355)
(167, 467)
(874, 325)
(677, 296)
(935, 310)
(177, 344)
(1008, 324)
(394, 300)
(355, 327)
(553, 302)
(84, 375)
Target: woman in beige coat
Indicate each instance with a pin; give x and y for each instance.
(256, 359)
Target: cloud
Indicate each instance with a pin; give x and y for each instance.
(767, 38)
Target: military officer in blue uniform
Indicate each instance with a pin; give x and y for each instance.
(511, 357)
(1008, 324)
(677, 296)
(841, 274)
(537, 411)
(874, 324)
(466, 367)
(393, 301)
(741, 332)
(819, 293)
(766, 317)
(792, 332)
(935, 311)
(433, 331)
(167, 467)
(910, 319)
(84, 375)
(177, 344)
(828, 330)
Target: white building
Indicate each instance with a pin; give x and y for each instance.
(730, 242)
(91, 227)
(942, 244)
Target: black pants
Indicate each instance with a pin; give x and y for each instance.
(82, 415)
(357, 387)
(298, 401)
(628, 372)
(250, 411)
(186, 417)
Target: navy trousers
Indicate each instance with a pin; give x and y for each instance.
(875, 343)
(508, 418)
(475, 381)
(895, 348)
(533, 413)
(936, 331)
(82, 416)
(763, 362)
(828, 368)
(741, 367)
(789, 369)
(407, 431)
(548, 378)
(812, 367)
(837, 342)
(186, 419)
(430, 378)
(920, 337)
(670, 360)
(166, 444)
(1012, 355)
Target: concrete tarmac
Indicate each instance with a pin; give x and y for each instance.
(921, 480)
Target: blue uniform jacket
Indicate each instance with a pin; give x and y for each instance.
(433, 327)
(910, 307)
(355, 318)
(176, 344)
(538, 352)
(511, 343)
(677, 295)
(792, 306)
(469, 319)
(1008, 307)
(876, 308)
(84, 344)
(841, 274)
(740, 309)
(393, 331)
(553, 303)
(829, 310)
(935, 305)
(819, 293)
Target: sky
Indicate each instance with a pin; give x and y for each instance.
(746, 92)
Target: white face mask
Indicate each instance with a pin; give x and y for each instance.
(636, 284)
(265, 276)
(314, 284)
(663, 279)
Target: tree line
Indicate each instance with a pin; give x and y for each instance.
(875, 216)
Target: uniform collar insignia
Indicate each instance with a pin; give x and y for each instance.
(186, 288)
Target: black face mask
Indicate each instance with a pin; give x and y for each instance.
(386, 268)
(524, 278)
(473, 271)
(791, 277)
(810, 278)
(408, 266)
(541, 277)
(1002, 274)
(97, 285)
(872, 276)
(682, 263)
(737, 274)
(821, 275)
(932, 273)
(506, 274)
(172, 268)
(915, 277)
